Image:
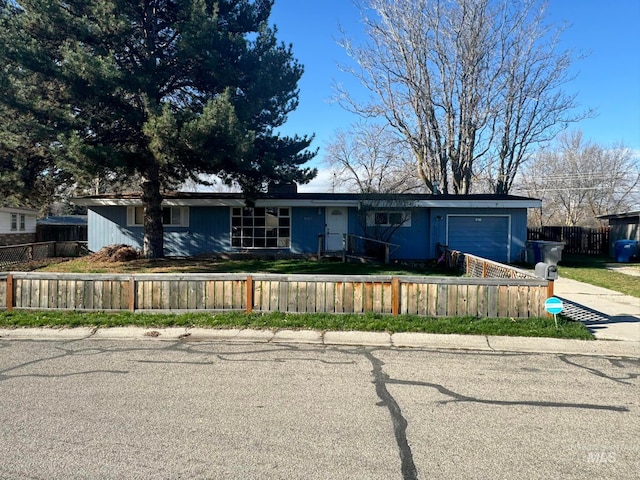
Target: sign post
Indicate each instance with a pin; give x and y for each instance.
(554, 306)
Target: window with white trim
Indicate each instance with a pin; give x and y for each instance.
(389, 218)
(14, 222)
(171, 216)
(23, 223)
(261, 227)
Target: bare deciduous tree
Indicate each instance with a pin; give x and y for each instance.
(578, 180)
(370, 158)
(463, 81)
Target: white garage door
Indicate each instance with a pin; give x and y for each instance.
(484, 235)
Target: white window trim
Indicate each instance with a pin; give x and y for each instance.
(371, 218)
(14, 222)
(184, 217)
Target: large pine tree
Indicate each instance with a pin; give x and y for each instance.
(161, 89)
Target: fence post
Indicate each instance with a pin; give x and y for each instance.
(484, 269)
(9, 292)
(132, 294)
(249, 287)
(395, 296)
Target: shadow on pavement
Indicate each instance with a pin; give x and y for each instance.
(592, 318)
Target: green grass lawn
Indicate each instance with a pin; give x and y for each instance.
(535, 327)
(593, 270)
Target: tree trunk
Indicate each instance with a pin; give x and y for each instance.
(153, 246)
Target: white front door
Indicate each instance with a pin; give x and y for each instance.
(337, 221)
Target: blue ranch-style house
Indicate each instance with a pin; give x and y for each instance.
(415, 225)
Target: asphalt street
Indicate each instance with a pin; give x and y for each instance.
(157, 409)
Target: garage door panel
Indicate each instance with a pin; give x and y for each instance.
(485, 236)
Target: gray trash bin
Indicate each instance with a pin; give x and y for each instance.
(625, 249)
(544, 251)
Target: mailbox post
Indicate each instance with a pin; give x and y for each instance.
(548, 272)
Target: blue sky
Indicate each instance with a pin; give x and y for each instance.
(608, 79)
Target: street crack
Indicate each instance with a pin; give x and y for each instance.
(380, 380)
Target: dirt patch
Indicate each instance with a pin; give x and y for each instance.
(115, 253)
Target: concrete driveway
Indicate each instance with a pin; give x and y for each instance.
(609, 315)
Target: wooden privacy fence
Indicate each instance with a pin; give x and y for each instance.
(583, 240)
(429, 296)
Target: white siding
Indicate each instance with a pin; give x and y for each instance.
(5, 220)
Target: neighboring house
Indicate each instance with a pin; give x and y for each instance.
(17, 225)
(62, 228)
(624, 226)
(492, 226)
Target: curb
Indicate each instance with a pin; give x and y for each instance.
(341, 338)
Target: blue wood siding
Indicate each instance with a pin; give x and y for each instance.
(108, 226)
(209, 230)
(306, 224)
(413, 240)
